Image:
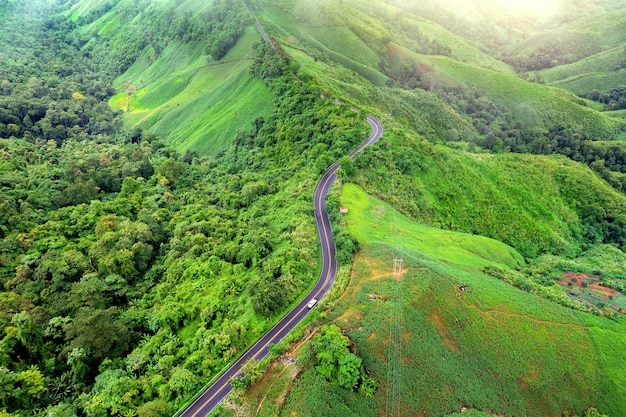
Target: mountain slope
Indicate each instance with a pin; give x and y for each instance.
(194, 105)
(187, 78)
(442, 336)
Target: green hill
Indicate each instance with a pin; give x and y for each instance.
(601, 72)
(193, 104)
(442, 336)
(583, 56)
(532, 104)
(193, 93)
(458, 348)
(534, 203)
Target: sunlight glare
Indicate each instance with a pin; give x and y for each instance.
(542, 9)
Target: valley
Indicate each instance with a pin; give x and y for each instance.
(158, 165)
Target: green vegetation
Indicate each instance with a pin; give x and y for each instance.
(132, 274)
(332, 33)
(197, 109)
(535, 204)
(444, 336)
(157, 164)
(183, 70)
(386, 224)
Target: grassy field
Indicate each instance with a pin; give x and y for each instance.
(328, 34)
(490, 347)
(530, 202)
(461, 49)
(590, 51)
(387, 226)
(193, 103)
(441, 336)
(594, 72)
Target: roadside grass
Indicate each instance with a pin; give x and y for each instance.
(193, 103)
(490, 347)
(277, 380)
(313, 396)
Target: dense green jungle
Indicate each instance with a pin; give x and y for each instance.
(157, 168)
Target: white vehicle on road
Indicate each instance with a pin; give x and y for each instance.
(311, 303)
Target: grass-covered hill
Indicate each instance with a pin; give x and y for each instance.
(533, 105)
(586, 57)
(441, 336)
(383, 44)
(444, 336)
(536, 204)
(182, 70)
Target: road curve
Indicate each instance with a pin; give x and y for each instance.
(215, 393)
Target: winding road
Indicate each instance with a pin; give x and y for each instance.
(215, 393)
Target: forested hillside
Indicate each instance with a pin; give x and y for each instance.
(131, 274)
(157, 168)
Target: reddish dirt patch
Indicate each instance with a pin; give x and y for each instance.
(371, 269)
(575, 279)
(570, 276)
(524, 382)
(595, 286)
(396, 50)
(441, 329)
(370, 337)
(406, 335)
(349, 316)
(393, 49)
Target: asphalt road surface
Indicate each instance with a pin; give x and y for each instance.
(221, 387)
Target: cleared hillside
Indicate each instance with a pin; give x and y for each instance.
(184, 68)
(194, 105)
(532, 104)
(582, 56)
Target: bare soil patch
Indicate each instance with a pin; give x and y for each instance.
(435, 318)
(593, 287)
